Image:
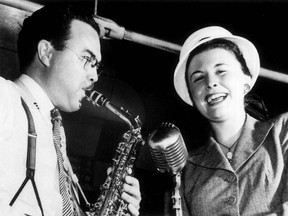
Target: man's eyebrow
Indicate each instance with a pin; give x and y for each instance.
(90, 52)
(92, 55)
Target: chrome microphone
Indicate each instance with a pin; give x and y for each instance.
(168, 149)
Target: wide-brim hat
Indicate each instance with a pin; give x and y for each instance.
(203, 35)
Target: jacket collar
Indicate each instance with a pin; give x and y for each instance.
(211, 156)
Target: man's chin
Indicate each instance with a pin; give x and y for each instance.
(79, 106)
(74, 108)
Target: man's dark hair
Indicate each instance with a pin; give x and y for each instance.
(52, 23)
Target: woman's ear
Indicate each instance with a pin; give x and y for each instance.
(44, 52)
(247, 84)
(246, 88)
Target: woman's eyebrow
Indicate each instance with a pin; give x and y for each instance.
(219, 64)
(194, 73)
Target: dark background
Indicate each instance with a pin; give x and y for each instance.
(140, 78)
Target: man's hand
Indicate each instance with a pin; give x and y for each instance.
(131, 194)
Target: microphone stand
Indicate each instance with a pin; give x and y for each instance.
(176, 198)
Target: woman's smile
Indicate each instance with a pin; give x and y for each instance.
(213, 99)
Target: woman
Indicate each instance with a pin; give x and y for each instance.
(241, 169)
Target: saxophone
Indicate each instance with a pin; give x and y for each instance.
(109, 202)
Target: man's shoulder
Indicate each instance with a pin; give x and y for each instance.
(3, 80)
(8, 91)
(5, 83)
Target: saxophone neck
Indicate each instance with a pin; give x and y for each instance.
(100, 100)
(132, 121)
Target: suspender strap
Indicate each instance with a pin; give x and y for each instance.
(31, 158)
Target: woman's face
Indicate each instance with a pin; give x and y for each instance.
(216, 82)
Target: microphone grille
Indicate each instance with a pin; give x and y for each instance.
(168, 149)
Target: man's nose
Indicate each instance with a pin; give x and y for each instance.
(93, 75)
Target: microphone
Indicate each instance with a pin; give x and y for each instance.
(168, 149)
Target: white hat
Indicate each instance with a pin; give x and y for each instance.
(203, 35)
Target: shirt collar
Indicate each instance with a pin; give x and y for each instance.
(39, 96)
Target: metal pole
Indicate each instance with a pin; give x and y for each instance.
(118, 32)
(95, 7)
(152, 42)
(22, 5)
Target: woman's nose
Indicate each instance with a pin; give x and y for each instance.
(211, 82)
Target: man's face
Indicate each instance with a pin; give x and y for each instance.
(69, 74)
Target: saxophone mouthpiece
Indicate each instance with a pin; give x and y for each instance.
(96, 98)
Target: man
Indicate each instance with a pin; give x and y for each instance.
(59, 54)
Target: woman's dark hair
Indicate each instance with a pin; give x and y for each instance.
(51, 23)
(220, 43)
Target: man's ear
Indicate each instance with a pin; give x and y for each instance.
(44, 52)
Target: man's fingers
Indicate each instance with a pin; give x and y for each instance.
(133, 210)
(133, 204)
(109, 170)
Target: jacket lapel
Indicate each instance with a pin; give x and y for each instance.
(253, 136)
(211, 155)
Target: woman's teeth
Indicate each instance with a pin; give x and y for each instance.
(215, 98)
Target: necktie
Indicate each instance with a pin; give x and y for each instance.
(69, 207)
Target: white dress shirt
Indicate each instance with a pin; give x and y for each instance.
(13, 150)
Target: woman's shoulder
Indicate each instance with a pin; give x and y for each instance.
(280, 123)
(283, 117)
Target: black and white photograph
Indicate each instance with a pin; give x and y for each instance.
(143, 107)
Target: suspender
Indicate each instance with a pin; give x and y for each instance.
(31, 158)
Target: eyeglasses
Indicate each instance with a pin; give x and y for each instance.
(90, 62)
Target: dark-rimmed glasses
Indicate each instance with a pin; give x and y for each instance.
(90, 61)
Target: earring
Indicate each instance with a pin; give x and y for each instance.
(246, 88)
